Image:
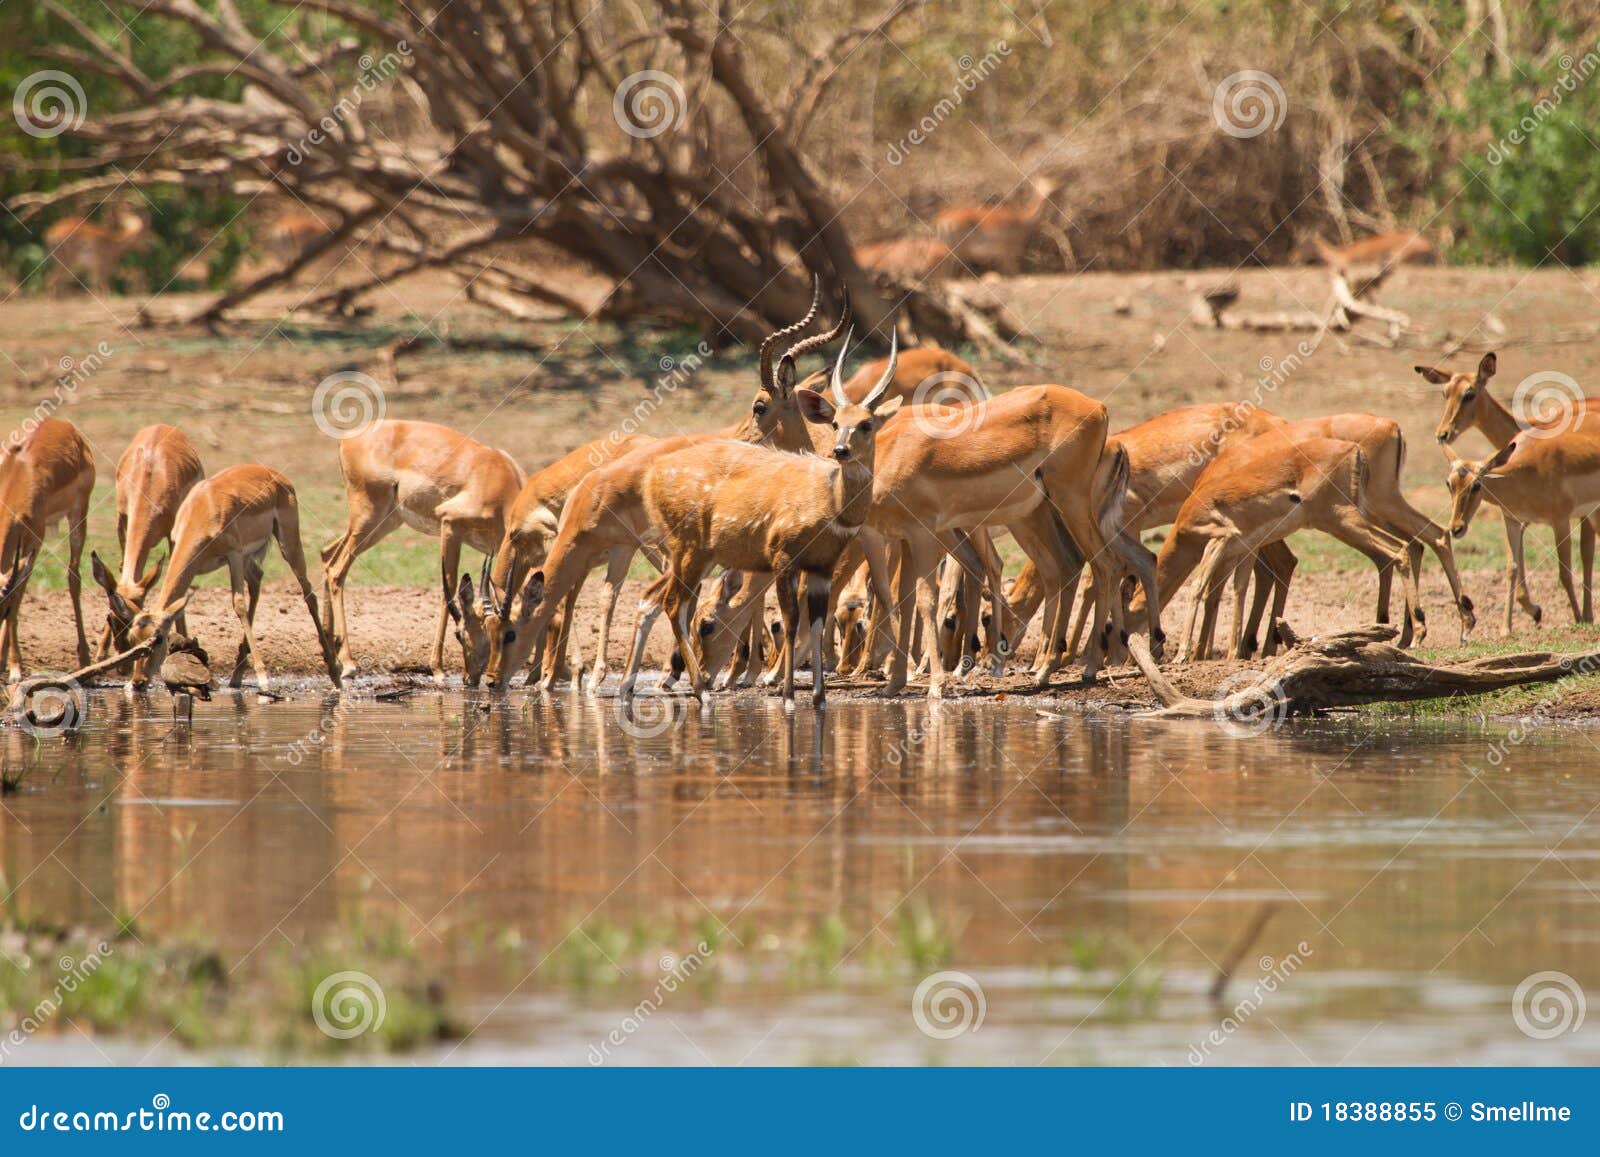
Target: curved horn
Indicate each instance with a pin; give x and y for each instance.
(511, 589)
(837, 381)
(817, 341)
(486, 584)
(877, 393)
(778, 337)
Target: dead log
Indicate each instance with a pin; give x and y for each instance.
(1351, 669)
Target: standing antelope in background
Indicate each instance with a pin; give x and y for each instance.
(994, 236)
(754, 509)
(228, 520)
(154, 476)
(1468, 405)
(90, 253)
(46, 476)
(1395, 247)
(291, 235)
(430, 478)
(1549, 480)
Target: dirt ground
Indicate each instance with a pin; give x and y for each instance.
(537, 390)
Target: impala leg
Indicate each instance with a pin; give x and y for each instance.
(77, 533)
(649, 611)
(449, 571)
(1241, 588)
(9, 647)
(787, 583)
(1517, 575)
(617, 562)
(244, 575)
(1586, 548)
(818, 593)
(1563, 531)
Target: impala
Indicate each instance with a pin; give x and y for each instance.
(1549, 480)
(154, 476)
(1033, 460)
(1257, 493)
(604, 513)
(1468, 405)
(755, 509)
(908, 258)
(45, 477)
(1167, 454)
(1382, 249)
(1385, 504)
(292, 234)
(994, 236)
(432, 479)
(90, 253)
(229, 520)
(531, 526)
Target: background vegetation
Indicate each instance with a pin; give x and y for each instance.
(1392, 113)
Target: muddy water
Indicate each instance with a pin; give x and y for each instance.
(1085, 875)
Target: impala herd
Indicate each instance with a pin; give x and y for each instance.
(870, 513)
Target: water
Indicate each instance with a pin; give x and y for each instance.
(1086, 875)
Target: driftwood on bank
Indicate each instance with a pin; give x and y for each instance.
(1353, 668)
(1346, 305)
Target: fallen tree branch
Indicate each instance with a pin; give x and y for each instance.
(1354, 668)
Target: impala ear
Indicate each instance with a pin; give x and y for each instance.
(813, 406)
(1501, 457)
(532, 592)
(1487, 367)
(1436, 376)
(886, 410)
(172, 612)
(101, 574)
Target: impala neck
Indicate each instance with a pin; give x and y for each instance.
(852, 490)
(1498, 424)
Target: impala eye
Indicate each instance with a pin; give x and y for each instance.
(1477, 486)
(865, 427)
(511, 636)
(760, 409)
(1469, 395)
